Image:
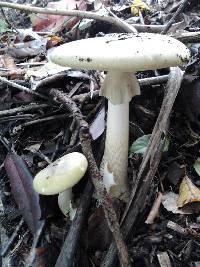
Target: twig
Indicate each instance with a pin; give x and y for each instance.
(152, 28)
(22, 109)
(164, 259)
(32, 255)
(155, 209)
(176, 14)
(7, 21)
(16, 117)
(130, 27)
(153, 80)
(188, 37)
(151, 160)
(13, 236)
(28, 64)
(22, 88)
(17, 246)
(74, 13)
(95, 175)
(33, 122)
(66, 257)
(183, 232)
(5, 72)
(143, 82)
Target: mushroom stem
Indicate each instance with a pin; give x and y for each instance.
(115, 159)
(65, 203)
(119, 88)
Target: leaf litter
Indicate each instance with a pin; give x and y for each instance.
(43, 134)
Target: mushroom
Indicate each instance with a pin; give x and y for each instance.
(120, 55)
(59, 177)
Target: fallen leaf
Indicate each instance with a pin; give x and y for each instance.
(45, 22)
(169, 201)
(48, 69)
(3, 26)
(28, 49)
(26, 35)
(34, 148)
(6, 61)
(53, 41)
(138, 5)
(188, 193)
(197, 166)
(99, 235)
(21, 182)
(98, 125)
(139, 146)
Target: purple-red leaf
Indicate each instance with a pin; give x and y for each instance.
(21, 182)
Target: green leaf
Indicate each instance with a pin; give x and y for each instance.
(166, 144)
(197, 166)
(140, 145)
(3, 26)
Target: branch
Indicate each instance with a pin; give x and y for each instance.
(176, 14)
(73, 13)
(94, 173)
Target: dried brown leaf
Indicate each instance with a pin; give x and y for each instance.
(188, 193)
(21, 182)
(46, 22)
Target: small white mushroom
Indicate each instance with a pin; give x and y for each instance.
(59, 177)
(120, 55)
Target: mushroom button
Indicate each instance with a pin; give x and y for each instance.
(121, 55)
(60, 176)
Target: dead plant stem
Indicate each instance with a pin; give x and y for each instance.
(94, 174)
(74, 13)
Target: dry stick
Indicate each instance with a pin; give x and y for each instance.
(17, 247)
(66, 257)
(85, 139)
(4, 72)
(188, 37)
(10, 241)
(155, 209)
(22, 88)
(152, 158)
(130, 28)
(183, 232)
(33, 122)
(74, 13)
(22, 109)
(151, 28)
(33, 251)
(173, 85)
(172, 20)
(91, 15)
(153, 80)
(7, 21)
(143, 82)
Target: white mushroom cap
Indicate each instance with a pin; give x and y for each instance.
(123, 52)
(60, 175)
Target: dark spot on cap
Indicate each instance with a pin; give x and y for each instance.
(89, 59)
